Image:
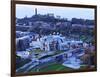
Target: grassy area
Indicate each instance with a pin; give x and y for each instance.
(52, 67)
(36, 51)
(55, 67)
(58, 52)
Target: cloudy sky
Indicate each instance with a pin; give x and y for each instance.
(23, 10)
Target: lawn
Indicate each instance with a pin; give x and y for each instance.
(36, 51)
(52, 67)
(55, 67)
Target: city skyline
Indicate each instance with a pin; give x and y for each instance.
(63, 12)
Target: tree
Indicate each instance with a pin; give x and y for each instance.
(78, 21)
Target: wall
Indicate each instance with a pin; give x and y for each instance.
(5, 38)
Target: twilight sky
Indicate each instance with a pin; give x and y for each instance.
(23, 10)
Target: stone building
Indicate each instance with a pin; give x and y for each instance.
(22, 43)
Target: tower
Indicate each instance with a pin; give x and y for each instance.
(35, 11)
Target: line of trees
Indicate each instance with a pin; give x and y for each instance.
(48, 19)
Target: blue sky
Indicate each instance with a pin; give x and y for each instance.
(65, 12)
